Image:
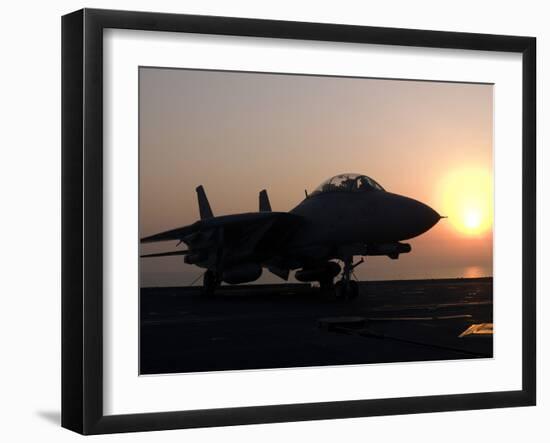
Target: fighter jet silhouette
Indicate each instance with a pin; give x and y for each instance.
(348, 215)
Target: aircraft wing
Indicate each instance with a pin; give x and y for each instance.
(246, 229)
(173, 234)
(165, 254)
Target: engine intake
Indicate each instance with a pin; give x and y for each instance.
(195, 257)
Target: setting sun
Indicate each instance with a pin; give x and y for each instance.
(467, 200)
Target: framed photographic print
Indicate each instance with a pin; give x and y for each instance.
(269, 221)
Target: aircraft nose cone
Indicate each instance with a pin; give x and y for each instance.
(424, 217)
(402, 218)
(415, 217)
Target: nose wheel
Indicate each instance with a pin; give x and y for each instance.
(347, 288)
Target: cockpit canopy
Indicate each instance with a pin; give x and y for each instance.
(348, 183)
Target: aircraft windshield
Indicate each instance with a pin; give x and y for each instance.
(348, 183)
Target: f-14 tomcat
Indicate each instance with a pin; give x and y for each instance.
(347, 216)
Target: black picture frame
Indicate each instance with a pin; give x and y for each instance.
(82, 218)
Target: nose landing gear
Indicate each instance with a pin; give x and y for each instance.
(346, 290)
(346, 287)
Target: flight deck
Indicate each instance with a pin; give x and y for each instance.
(296, 325)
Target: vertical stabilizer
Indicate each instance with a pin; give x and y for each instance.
(265, 206)
(204, 207)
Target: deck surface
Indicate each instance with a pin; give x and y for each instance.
(280, 326)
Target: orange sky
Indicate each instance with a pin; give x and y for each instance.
(238, 133)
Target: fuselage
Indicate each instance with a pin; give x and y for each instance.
(348, 215)
(339, 218)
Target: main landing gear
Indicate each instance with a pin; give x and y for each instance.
(347, 288)
(210, 282)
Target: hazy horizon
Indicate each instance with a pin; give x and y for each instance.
(238, 133)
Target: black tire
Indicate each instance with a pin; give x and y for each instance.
(326, 286)
(346, 290)
(340, 290)
(352, 290)
(209, 283)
